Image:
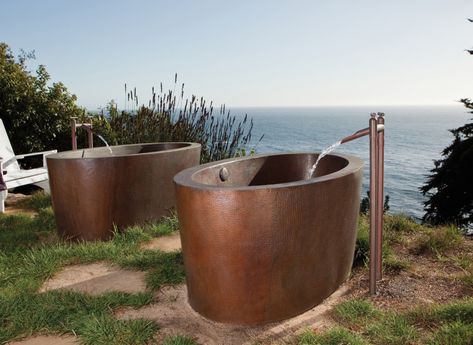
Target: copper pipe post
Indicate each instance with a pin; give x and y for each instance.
(376, 135)
(87, 127)
(380, 195)
(373, 130)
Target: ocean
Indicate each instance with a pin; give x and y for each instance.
(414, 137)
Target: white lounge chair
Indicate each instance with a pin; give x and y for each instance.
(13, 175)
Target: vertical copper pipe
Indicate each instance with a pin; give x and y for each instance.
(380, 198)
(373, 202)
(73, 133)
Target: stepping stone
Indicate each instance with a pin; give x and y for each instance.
(15, 198)
(47, 340)
(96, 279)
(174, 315)
(13, 205)
(170, 243)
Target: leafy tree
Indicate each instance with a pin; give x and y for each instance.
(450, 186)
(36, 114)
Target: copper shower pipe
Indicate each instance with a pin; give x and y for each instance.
(376, 135)
(87, 127)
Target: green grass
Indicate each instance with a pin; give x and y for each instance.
(30, 253)
(395, 227)
(335, 336)
(456, 333)
(458, 311)
(399, 224)
(356, 311)
(392, 329)
(20, 231)
(439, 240)
(362, 247)
(449, 324)
(37, 201)
(67, 312)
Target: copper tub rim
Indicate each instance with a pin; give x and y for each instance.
(71, 154)
(187, 176)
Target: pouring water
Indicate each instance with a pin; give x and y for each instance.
(105, 142)
(322, 155)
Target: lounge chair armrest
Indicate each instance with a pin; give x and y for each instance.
(7, 162)
(44, 153)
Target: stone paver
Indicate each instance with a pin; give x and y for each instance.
(96, 278)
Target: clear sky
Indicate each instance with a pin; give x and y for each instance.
(252, 52)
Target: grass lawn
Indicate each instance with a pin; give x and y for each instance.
(30, 253)
(425, 298)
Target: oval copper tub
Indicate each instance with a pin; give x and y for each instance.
(261, 241)
(93, 190)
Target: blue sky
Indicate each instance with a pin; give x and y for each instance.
(252, 53)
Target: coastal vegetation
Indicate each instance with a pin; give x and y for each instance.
(425, 297)
(171, 117)
(449, 188)
(37, 115)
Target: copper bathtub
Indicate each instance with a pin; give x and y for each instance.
(94, 190)
(261, 240)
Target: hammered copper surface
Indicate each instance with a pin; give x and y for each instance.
(267, 243)
(92, 190)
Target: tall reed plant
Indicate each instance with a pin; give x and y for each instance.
(170, 117)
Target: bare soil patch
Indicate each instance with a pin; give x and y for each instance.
(168, 243)
(430, 278)
(47, 340)
(175, 316)
(15, 204)
(96, 278)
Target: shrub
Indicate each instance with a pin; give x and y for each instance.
(449, 188)
(362, 247)
(36, 116)
(172, 118)
(439, 239)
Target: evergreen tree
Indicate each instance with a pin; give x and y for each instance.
(450, 186)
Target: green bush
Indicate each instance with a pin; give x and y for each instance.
(449, 189)
(362, 247)
(439, 239)
(169, 117)
(36, 115)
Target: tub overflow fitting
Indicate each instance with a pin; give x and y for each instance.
(223, 174)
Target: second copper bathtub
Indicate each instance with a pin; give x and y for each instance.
(94, 190)
(261, 240)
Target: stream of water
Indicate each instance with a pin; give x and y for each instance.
(105, 142)
(322, 155)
